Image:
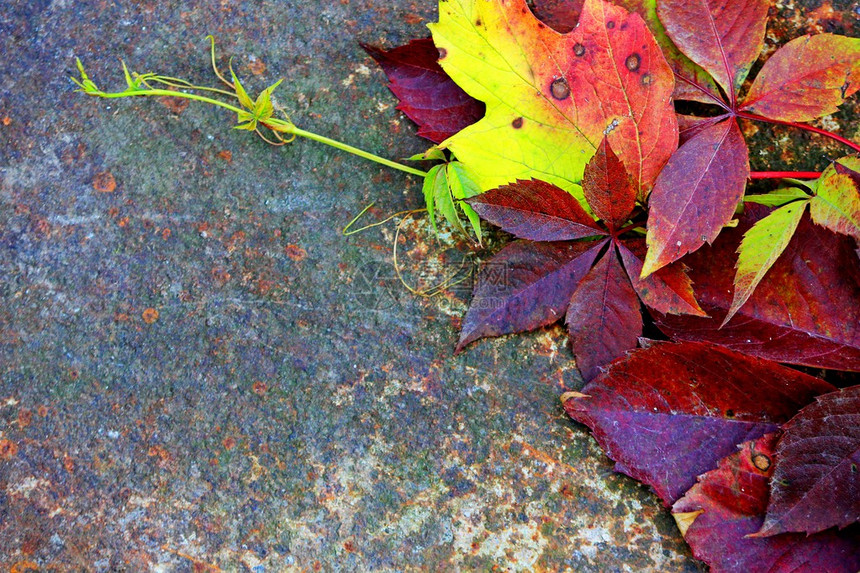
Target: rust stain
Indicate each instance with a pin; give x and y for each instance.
(256, 66)
(295, 252)
(150, 315)
(226, 155)
(8, 449)
(25, 416)
(104, 182)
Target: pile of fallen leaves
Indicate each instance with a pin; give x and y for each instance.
(562, 129)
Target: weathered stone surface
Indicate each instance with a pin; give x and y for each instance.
(197, 371)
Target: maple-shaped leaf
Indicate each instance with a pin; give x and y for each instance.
(427, 95)
(591, 284)
(727, 504)
(807, 78)
(691, 81)
(836, 204)
(668, 412)
(806, 309)
(550, 97)
(696, 193)
(816, 479)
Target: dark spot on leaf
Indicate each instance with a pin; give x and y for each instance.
(610, 25)
(578, 49)
(632, 62)
(730, 413)
(477, 22)
(761, 461)
(517, 123)
(623, 26)
(853, 468)
(442, 53)
(559, 89)
(646, 80)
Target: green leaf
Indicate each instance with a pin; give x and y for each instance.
(434, 178)
(761, 247)
(778, 198)
(432, 154)
(263, 108)
(462, 187)
(836, 204)
(241, 93)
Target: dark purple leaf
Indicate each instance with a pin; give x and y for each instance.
(525, 286)
(727, 505)
(537, 211)
(604, 319)
(427, 95)
(669, 412)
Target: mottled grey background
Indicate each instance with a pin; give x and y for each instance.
(290, 406)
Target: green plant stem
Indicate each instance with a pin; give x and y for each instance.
(284, 126)
(356, 151)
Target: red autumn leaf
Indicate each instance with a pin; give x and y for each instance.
(807, 78)
(537, 211)
(696, 193)
(604, 319)
(692, 82)
(617, 62)
(722, 36)
(669, 412)
(816, 479)
(601, 303)
(805, 311)
(668, 291)
(525, 286)
(727, 504)
(607, 188)
(427, 95)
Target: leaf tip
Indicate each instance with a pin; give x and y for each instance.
(685, 519)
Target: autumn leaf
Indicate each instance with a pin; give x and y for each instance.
(668, 412)
(806, 310)
(525, 286)
(537, 211)
(725, 38)
(691, 81)
(836, 204)
(807, 78)
(550, 97)
(727, 504)
(603, 319)
(427, 95)
(602, 304)
(761, 246)
(696, 193)
(816, 480)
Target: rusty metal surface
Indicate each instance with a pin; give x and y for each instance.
(198, 372)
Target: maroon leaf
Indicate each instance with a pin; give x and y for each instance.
(669, 412)
(608, 188)
(604, 319)
(525, 286)
(560, 15)
(690, 125)
(427, 95)
(668, 290)
(537, 211)
(723, 36)
(816, 479)
(805, 311)
(696, 193)
(718, 513)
